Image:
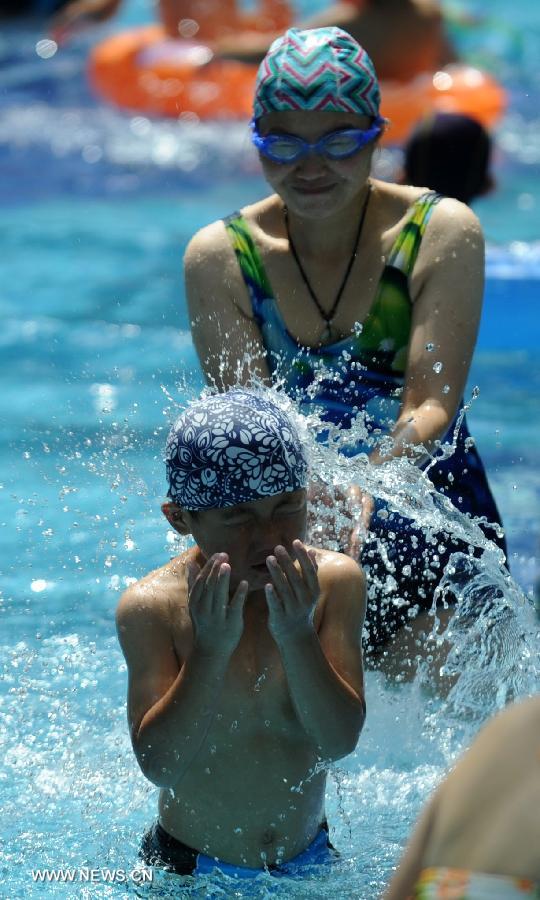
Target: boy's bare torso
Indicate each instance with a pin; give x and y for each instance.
(253, 792)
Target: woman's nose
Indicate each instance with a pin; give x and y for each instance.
(312, 165)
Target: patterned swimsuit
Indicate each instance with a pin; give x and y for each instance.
(365, 371)
(460, 884)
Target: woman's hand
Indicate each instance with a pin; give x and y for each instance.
(360, 506)
(292, 597)
(342, 515)
(217, 619)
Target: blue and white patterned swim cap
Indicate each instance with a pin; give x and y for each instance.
(233, 448)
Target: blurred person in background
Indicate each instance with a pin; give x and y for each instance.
(203, 20)
(60, 11)
(402, 37)
(450, 154)
(479, 835)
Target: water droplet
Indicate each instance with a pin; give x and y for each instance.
(430, 347)
(437, 367)
(188, 28)
(38, 585)
(258, 683)
(46, 48)
(446, 389)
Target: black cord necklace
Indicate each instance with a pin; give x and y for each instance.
(328, 316)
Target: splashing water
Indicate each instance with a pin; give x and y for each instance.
(494, 633)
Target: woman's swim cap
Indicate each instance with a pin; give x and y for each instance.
(232, 448)
(323, 69)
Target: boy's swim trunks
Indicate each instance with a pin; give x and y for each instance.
(159, 848)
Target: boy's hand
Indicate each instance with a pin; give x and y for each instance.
(293, 596)
(218, 620)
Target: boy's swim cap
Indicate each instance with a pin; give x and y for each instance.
(322, 69)
(232, 448)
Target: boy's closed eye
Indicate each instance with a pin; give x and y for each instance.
(245, 517)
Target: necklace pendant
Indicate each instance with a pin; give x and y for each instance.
(327, 333)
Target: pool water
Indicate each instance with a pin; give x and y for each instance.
(96, 209)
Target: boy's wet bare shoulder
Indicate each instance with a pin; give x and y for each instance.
(341, 578)
(160, 598)
(336, 566)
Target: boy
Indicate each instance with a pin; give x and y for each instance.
(244, 653)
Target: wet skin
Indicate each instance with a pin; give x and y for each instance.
(317, 185)
(221, 717)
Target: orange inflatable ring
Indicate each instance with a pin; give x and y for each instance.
(145, 71)
(455, 89)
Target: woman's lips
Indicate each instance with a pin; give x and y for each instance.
(313, 188)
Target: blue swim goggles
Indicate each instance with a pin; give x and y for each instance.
(288, 148)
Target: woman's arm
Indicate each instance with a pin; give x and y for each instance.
(447, 289)
(227, 339)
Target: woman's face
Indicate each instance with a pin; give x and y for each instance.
(315, 186)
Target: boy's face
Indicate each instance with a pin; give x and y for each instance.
(248, 532)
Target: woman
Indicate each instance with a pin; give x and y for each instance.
(379, 283)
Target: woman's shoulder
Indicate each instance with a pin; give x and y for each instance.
(403, 197)
(207, 240)
(450, 222)
(212, 240)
